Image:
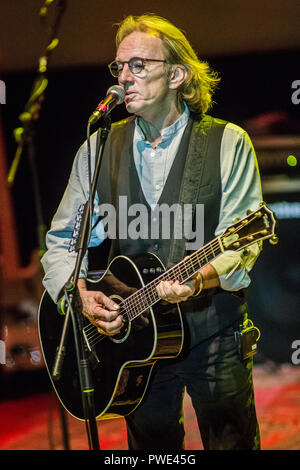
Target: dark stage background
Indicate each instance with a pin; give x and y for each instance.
(250, 86)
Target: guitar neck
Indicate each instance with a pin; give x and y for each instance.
(147, 296)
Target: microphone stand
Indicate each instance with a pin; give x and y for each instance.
(25, 135)
(74, 306)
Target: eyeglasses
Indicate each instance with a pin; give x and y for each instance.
(136, 65)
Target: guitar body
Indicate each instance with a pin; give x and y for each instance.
(121, 365)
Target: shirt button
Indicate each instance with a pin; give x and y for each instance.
(152, 154)
(157, 186)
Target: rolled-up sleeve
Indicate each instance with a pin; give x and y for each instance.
(241, 191)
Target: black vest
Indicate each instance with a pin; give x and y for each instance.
(194, 178)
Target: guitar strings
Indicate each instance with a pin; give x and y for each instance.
(95, 336)
(91, 330)
(176, 272)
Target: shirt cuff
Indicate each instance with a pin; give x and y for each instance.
(55, 279)
(233, 267)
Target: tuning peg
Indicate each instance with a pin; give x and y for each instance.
(236, 219)
(274, 240)
(249, 212)
(262, 203)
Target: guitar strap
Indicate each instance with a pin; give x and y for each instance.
(202, 166)
(201, 170)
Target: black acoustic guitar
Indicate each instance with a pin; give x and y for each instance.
(121, 364)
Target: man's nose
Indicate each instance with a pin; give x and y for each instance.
(125, 76)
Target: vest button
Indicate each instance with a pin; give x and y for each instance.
(156, 246)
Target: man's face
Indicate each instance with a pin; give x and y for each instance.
(147, 93)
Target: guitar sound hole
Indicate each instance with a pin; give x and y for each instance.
(123, 334)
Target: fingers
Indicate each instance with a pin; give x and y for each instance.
(109, 327)
(173, 291)
(105, 301)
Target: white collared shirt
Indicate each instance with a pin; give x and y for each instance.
(241, 190)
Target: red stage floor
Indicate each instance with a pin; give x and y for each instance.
(33, 422)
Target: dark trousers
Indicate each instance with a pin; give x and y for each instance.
(221, 388)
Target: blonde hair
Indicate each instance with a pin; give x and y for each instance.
(200, 82)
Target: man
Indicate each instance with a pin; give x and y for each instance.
(173, 149)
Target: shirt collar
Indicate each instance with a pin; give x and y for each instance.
(171, 130)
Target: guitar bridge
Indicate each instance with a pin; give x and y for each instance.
(93, 357)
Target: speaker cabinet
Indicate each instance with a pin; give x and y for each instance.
(274, 293)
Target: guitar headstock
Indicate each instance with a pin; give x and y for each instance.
(256, 226)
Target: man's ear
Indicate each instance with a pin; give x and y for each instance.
(177, 76)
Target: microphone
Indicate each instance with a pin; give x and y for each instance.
(115, 95)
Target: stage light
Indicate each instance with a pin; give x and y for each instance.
(292, 160)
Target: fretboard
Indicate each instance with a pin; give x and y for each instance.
(147, 296)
